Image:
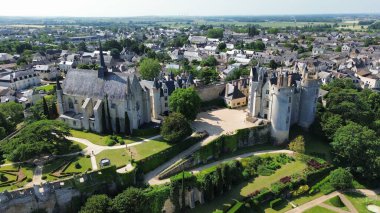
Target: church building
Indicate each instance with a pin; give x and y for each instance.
(103, 101)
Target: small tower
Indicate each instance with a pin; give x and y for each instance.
(59, 97)
(103, 68)
(256, 81)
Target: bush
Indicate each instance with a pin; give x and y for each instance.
(275, 202)
(341, 179)
(44, 177)
(337, 202)
(110, 141)
(145, 132)
(301, 190)
(264, 171)
(29, 180)
(88, 156)
(77, 165)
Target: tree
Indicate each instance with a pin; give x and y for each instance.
(112, 44)
(149, 69)
(215, 33)
(175, 128)
(115, 53)
(330, 123)
(273, 65)
(185, 101)
(41, 137)
(341, 179)
(252, 31)
(21, 47)
(209, 61)
(82, 47)
(97, 204)
(45, 108)
(14, 112)
(358, 148)
(209, 75)
(131, 200)
(222, 46)
(298, 145)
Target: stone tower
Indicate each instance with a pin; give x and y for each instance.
(309, 95)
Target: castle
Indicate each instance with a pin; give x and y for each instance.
(283, 97)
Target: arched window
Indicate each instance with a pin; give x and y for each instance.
(71, 104)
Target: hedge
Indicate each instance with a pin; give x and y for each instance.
(149, 163)
(275, 202)
(145, 132)
(315, 176)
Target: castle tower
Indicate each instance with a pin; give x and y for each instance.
(255, 90)
(309, 97)
(59, 98)
(281, 109)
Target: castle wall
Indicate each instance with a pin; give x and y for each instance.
(208, 93)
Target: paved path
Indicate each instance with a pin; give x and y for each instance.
(216, 123)
(37, 177)
(153, 180)
(94, 165)
(319, 202)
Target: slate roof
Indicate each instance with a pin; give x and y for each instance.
(86, 83)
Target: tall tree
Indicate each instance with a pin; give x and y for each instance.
(131, 200)
(149, 69)
(175, 128)
(185, 101)
(97, 204)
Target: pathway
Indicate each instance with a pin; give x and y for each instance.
(153, 180)
(94, 149)
(37, 177)
(319, 202)
(216, 123)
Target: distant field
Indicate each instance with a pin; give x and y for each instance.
(26, 25)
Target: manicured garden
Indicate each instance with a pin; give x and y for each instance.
(15, 176)
(66, 166)
(360, 201)
(318, 209)
(336, 202)
(149, 148)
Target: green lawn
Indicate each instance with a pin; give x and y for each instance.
(84, 162)
(360, 201)
(318, 209)
(46, 88)
(149, 148)
(51, 166)
(118, 157)
(265, 181)
(27, 170)
(336, 202)
(239, 191)
(100, 139)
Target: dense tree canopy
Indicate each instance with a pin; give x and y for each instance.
(340, 179)
(215, 33)
(149, 69)
(41, 137)
(185, 101)
(97, 204)
(209, 61)
(175, 128)
(132, 200)
(358, 148)
(11, 114)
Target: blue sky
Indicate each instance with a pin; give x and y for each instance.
(125, 8)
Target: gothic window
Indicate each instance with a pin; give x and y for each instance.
(137, 106)
(74, 123)
(165, 90)
(288, 109)
(290, 99)
(71, 104)
(267, 92)
(76, 101)
(267, 104)
(166, 104)
(287, 120)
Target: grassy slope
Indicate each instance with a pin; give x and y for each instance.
(318, 209)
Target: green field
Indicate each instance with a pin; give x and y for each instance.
(318, 209)
(149, 148)
(336, 202)
(100, 139)
(85, 165)
(118, 157)
(46, 88)
(360, 201)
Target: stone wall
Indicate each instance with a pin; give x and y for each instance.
(211, 92)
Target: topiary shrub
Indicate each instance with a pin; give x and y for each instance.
(29, 180)
(337, 202)
(44, 177)
(77, 165)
